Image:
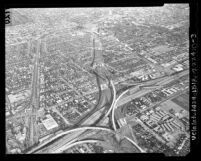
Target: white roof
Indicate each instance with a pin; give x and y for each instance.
(49, 123)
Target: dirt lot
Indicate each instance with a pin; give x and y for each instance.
(182, 101)
(167, 105)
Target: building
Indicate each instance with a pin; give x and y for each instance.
(49, 123)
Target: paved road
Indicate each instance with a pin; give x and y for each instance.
(34, 103)
(139, 90)
(9, 109)
(35, 91)
(145, 90)
(100, 104)
(74, 134)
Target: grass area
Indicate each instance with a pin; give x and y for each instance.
(167, 105)
(182, 101)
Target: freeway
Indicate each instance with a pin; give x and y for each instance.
(137, 95)
(114, 102)
(76, 143)
(78, 129)
(114, 107)
(134, 144)
(146, 86)
(159, 84)
(74, 136)
(100, 104)
(67, 132)
(34, 99)
(143, 89)
(157, 81)
(67, 146)
(99, 79)
(92, 63)
(114, 98)
(141, 92)
(32, 131)
(97, 47)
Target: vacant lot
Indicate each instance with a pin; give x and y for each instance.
(183, 101)
(167, 105)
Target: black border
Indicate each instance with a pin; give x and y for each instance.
(194, 79)
(193, 40)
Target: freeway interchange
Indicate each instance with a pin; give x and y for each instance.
(100, 104)
(110, 111)
(98, 81)
(61, 140)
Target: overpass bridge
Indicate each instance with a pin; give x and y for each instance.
(76, 143)
(67, 132)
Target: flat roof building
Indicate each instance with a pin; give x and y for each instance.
(49, 123)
